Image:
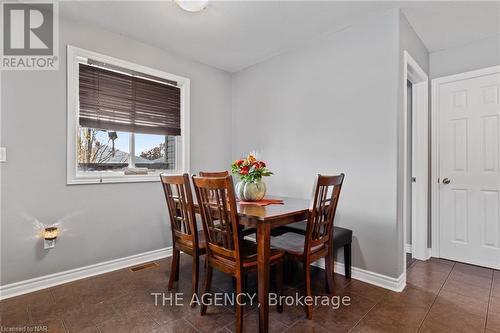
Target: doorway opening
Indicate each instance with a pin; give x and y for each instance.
(416, 163)
(410, 260)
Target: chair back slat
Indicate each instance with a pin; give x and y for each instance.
(214, 173)
(217, 203)
(179, 199)
(320, 223)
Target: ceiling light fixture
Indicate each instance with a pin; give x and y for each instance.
(192, 5)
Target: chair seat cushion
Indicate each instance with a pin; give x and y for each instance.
(249, 253)
(341, 236)
(292, 243)
(186, 245)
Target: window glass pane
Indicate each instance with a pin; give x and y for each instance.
(155, 151)
(102, 150)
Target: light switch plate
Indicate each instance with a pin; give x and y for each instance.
(3, 154)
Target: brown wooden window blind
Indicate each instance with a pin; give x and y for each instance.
(114, 101)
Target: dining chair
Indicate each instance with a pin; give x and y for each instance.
(342, 238)
(245, 230)
(317, 241)
(185, 234)
(227, 250)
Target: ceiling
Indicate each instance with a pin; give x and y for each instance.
(232, 35)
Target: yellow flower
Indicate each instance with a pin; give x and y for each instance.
(251, 159)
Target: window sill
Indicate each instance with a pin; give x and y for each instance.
(112, 179)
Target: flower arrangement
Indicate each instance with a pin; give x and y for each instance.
(250, 170)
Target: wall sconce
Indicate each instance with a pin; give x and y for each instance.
(49, 235)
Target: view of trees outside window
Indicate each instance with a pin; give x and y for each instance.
(103, 150)
(155, 151)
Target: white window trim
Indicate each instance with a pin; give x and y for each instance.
(182, 142)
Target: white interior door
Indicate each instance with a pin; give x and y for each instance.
(469, 198)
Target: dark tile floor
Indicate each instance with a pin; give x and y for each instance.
(441, 296)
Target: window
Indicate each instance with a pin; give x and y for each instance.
(126, 122)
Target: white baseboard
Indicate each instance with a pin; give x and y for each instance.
(47, 281)
(42, 282)
(427, 256)
(428, 253)
(384, 281)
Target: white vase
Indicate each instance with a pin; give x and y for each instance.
(253, 191)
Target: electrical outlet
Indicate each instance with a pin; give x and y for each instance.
(3, 154)
(49, 243)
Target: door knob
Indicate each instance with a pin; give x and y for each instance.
(446, 181)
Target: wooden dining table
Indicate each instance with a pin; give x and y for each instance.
(265, 218)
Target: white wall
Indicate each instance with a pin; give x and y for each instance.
(329, 108)
(99, 222)
(332, 106)
(476, 55)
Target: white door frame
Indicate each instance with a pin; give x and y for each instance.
(420, 108)
(435, 146)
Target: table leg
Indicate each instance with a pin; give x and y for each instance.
(263, 253)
